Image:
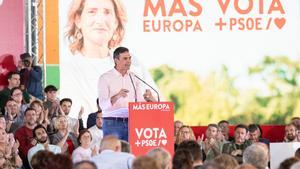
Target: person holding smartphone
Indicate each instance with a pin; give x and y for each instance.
(31, 76)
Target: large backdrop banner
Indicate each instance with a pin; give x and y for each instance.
(215, 59)
(12, 35)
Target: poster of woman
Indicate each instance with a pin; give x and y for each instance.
(90, 31)
(211, 58)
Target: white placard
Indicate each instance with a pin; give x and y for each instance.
(282, 151)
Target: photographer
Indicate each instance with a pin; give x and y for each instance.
(31, 76)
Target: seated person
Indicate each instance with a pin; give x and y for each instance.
(236, 147)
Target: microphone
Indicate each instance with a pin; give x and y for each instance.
(135, 97)
(149, 86)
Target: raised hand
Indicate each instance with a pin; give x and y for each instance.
(61, 111)
(76, 128)
(16, 146)
(212, 141)
(46, 145)
(148, 96)
(200, 139)
(46, 119)
(11, 138)
(10, 116)
(81, 112)
(64, 148)
(33, 141)
(20, 65)
(220, 137)
(123, 92)
(237, 152)
(42, 117)
(94, 151)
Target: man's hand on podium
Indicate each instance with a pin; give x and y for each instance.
(148, 96)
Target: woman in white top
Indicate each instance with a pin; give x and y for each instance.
(84, 152)
(94, 29)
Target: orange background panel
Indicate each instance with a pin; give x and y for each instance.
(52, 43)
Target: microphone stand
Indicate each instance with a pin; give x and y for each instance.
(158, 99)
(135, 97)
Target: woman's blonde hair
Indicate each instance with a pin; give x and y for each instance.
(38, 103)
(74, 35)
(179, 136)
(56, 121)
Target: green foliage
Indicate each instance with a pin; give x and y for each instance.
(203, 100)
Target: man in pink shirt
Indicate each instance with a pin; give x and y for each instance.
(116, 89)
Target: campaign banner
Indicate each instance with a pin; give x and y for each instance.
(225, 54)
(150, 126)
(12, 33)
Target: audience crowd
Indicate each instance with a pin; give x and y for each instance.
(37, 132)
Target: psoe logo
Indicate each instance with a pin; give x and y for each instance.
(151, 106)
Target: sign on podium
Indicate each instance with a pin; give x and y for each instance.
(151, 125)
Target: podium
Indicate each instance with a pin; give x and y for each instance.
(151, 125)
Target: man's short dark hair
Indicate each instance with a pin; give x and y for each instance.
(292, 124)
(15, 88)
(223, 121)
(10, 74)
(50, 88)
(193, 147)
(98, 112)
(25, 55)
(38, 127)
(241, 126)
(28, 109)
(65, 100)
(295, 118)
(212, 125)
(182, 159)
(253, 127)
(118, 51)
(9, 100)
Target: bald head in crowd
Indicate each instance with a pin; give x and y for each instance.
(111, 142)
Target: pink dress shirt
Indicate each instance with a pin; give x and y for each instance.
(109, 84)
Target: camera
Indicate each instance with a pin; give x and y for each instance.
(26, 63)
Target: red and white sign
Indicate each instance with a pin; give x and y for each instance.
(150, 126)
